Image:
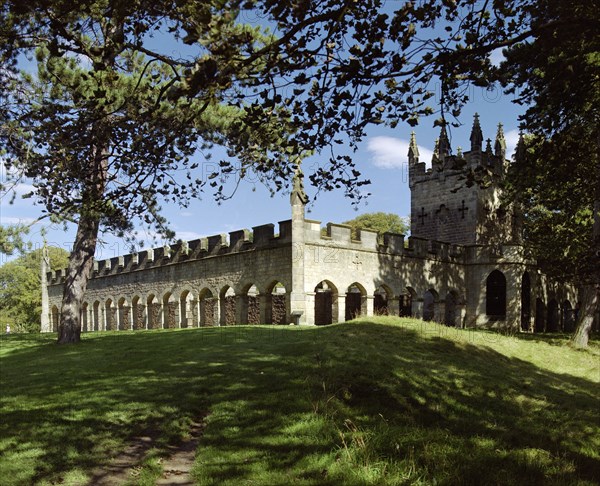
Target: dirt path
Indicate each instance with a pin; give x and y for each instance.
(123, 468)
(176, 466)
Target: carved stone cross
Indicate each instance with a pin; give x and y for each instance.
(422, 216)
(462, 209)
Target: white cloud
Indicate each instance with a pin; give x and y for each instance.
(16, 220)
(496, 56)
(512, 137)
(392, 153)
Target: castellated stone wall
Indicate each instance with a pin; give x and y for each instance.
(458, 267)
(343, 278)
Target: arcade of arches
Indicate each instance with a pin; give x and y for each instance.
(209, 308)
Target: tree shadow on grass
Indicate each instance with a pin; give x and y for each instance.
(291, 405)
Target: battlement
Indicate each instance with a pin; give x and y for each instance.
(239, 241)
(340, 235)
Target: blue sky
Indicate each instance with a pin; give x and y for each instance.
(381, 158)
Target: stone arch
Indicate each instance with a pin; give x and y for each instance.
(228, 306)
(326, 303)
(55, 316)
(568, 317)
(553, 316)
(451, 309)
(430, 297)
(188, 315)
(356, 301)
(84, 317)
(382, 299)
(276, 303)
(249, 298)
(110, 315)
(96, 325)
(525, 302)
(169, 307)
(123, 315)
(406, 299)
(153, 312)
(495, 296)
(540, 315)
(208, 308)
(137, 311)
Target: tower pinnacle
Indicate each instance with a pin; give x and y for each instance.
(444, 144)
(476, 134)
(500, 145)
(413, 149)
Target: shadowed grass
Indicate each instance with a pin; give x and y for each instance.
(379, 401)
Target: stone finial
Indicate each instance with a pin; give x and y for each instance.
(435, 159)
(459, 152)
(488, 146)
(476, 134)
(298, 195)
(167, 250)
(444, 148)
(413, 149)
(500, 144)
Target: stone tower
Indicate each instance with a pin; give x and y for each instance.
(457, 200)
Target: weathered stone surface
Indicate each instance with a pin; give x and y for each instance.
(460, 236)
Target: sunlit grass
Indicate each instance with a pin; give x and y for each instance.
(378, 401)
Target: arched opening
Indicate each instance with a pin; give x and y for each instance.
(356, 301)
(552, 322)
(84, 317)
(110, 312)
(430, 297)
(568, 317)
(208, 308)
(153, 310)
(124, 315)
(451, 314)
(540, 315)
(186, 309)
(495, 296)
(406, 300)
(276, 304)
(251, 306)
(525, 302)
(227, 306)
(137, 309)
(55, 314)
(169, 311)
(96, 316)
(326, 303)
(381, 301)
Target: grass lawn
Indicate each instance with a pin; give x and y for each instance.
(378, 401)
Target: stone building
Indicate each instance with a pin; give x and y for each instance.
(463, 264)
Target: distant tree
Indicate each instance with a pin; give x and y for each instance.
(11, 238)
(380, 222)
(20, 288)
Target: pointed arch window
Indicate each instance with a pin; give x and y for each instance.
(495, 296)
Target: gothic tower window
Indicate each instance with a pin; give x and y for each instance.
(495, 296)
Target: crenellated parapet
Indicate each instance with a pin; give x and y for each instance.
(240, 241)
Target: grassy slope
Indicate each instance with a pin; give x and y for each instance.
(386, 401)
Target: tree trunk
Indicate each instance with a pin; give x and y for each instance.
(80, 266)
(585, 320)
(591, 291)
